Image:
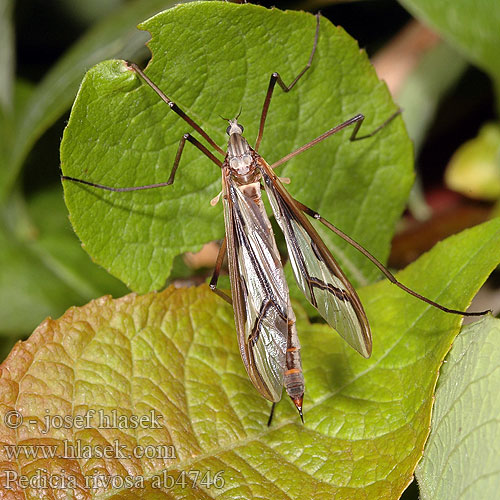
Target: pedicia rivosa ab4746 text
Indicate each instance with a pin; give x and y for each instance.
(264, 318)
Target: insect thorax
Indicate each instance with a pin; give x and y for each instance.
(241, 160)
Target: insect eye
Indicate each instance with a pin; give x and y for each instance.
(228, 130)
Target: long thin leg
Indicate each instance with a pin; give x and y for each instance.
(185, 137)
(328, 133)
(358, 120)
(371, 134)
(271, 415)
(175, 108)
(215, 276)
(384, 270)
(276, 79)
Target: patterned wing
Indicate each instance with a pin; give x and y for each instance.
(259, 290)
(316, 271)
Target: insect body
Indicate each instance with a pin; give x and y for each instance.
(260, 297)
(265, 321)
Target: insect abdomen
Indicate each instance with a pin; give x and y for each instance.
(293, 377)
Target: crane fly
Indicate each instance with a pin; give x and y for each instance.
(265, 321)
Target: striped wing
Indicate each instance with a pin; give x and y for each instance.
(316, 271)
(259, 290)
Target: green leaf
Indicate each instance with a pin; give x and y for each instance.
(438, 70)
(471, 27)
(175, 354)
(55, 239)
(115, 36)
(419, 98)
(213, 59)
(44, 270)
(461, 455)
(7, 56)
(474, 169)
(22, 92)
